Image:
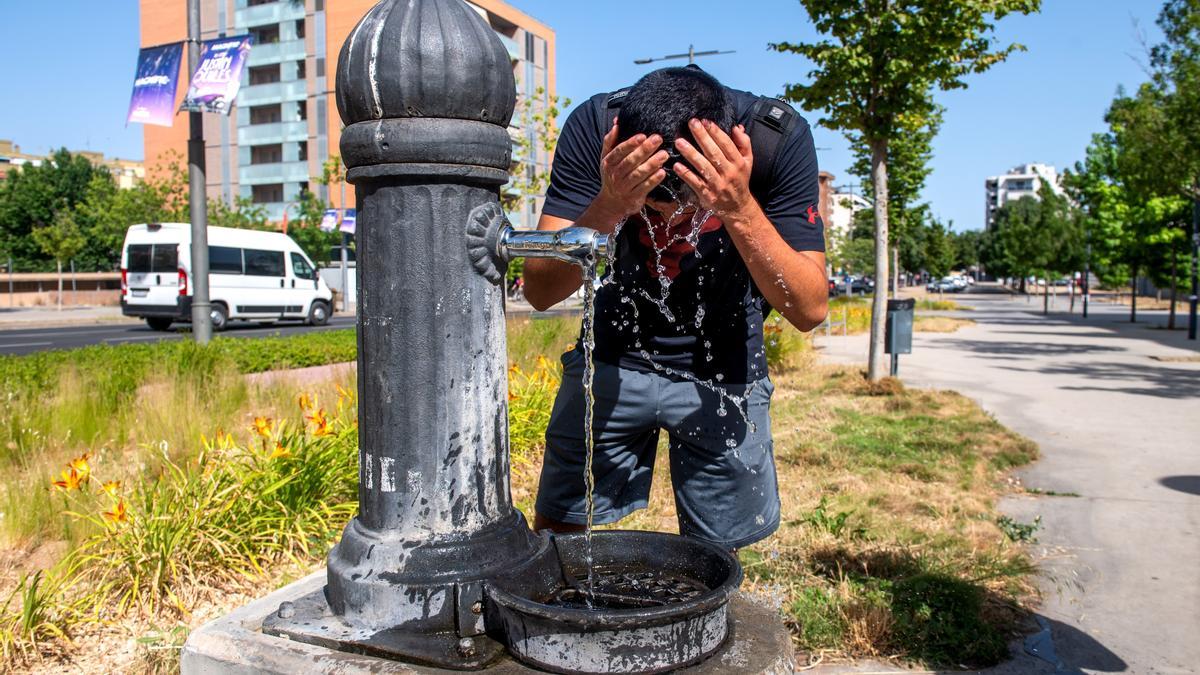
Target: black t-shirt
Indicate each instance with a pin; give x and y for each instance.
(711, 321)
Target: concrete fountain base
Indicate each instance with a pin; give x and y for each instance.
(235, 644)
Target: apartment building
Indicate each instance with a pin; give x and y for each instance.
(126, 173)
(285, 124)
(1021, 181)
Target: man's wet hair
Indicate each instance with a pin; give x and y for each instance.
(664, 101)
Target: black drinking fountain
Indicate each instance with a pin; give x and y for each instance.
(439, 570)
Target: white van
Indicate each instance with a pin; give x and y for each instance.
(253, 275)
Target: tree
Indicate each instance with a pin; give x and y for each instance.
(31, 195)
(61, 240)
(939, 249)
(307, 232)
(1035, 237)
(876, 75)
(1177, 64)
(967, 245)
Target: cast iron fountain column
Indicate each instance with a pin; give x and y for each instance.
(426, 91)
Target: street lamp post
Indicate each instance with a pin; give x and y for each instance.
(201, 319)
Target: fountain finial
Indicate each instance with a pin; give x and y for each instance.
(425, 58)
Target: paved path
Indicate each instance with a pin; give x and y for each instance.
(1119, 428)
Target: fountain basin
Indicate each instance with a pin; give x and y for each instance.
(660, 603)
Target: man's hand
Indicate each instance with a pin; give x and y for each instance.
(721, 179)
(628, 172)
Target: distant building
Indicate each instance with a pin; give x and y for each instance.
(824, 194)
(844, 203)
(125, 172)
(1022, 181)
(285, 125)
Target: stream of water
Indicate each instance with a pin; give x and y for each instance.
(660, 243)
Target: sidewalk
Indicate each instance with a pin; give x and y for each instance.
(1119, 427)
(50, 317)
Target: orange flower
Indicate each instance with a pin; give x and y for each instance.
(118, 514)
(80, 465)
(280, 451)
(111, 487)
(304, 401)
(262, 426)
(343, 395)
(512, 397)
(70, 480)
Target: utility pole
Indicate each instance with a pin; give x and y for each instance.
(690, 56)
(201, 308)
(1087, 277)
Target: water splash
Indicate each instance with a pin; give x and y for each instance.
(588, 338)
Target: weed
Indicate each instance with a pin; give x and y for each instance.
(834, 523)
(1017, 531)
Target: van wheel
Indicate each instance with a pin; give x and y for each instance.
(318, 315)
(219, 317)
(158, 322)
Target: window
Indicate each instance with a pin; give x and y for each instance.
(224, 260)
(301, 269)
(260, 263)
(265, 194)
(302, 109)
(301, 69)
(265, 35)
(165, 258)
(264, 74)
(300, 29)
(302, 151)
(266, 154)
(266, 114)
(139, 257)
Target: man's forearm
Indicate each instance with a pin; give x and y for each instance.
(792, 281)
(549, 282)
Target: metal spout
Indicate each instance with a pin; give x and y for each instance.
(581, 246)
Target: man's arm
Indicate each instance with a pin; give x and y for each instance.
(792, 281)
(628, 172)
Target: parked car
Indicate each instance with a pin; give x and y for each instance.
(942, 286)
(253, 276)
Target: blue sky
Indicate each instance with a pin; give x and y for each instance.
(70, 85)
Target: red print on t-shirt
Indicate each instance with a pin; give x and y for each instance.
(812, 215)
(674, 239)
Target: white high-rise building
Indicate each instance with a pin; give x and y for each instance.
(1022, 181)
(842, 207)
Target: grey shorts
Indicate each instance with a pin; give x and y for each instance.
(722, 471)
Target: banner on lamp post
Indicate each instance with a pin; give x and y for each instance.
(153, 98)
(218, 75)
(329, 220)
(348, 221)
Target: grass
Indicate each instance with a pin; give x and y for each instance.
(856, 312)
(890, 545)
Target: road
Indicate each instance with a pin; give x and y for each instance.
(1116, 412)
(28, 340)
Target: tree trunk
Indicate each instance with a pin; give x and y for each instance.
(1046, 297)
(876, 364)
(59, 263)
(1133, 294)
(1174, 290)
(1071, 287)
(895, 289)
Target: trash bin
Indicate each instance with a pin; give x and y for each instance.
(897, 338)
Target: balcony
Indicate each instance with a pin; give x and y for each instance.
(276, 52)
(277, 172)
(276, 12)
(276, 132)
(275, 92)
